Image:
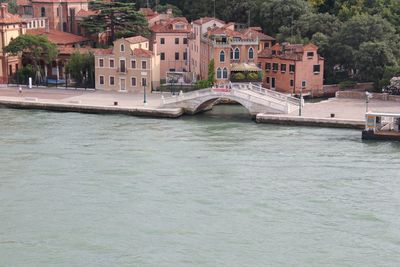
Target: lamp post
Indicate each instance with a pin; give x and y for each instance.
(368, 96)
(301, 101)
(144, 95)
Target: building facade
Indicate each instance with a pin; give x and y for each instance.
(171, 36)
(292, 68)
(129, 66)
(11, 27)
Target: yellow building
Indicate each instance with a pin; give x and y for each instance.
(10, 28)
(129, 67)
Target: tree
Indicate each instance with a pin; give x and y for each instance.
(120, 18)
(163, 9)
(81, 68)
(34, 48)
(211, 72)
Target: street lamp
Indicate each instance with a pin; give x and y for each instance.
(144, 94)
(368, 96)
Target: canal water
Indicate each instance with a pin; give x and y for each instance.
(211, 190)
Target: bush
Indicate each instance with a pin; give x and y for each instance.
(252, 76)
(239, 76)
(347, 85)
(203, 84)
(24, 73)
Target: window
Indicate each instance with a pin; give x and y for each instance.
(162, 41)
(111, 63)
(133, 64)
(111, 80)
(268, 66)
(273, 52)
(162, 56)
(184, 55)
(231, 55)
(185, 40)
(101, 79)
(176, 40)
(177, 56)
(292, 68)
(122, 65)
(237, 53)
(133, 81)
(317, 68)
(310, 54)
(275, 66)
(144, 65)
(101, 62)
(291, 83)
(144, 81)
(266, 45)
(122, 48)
(41, 23)
(303, 84)
(43, 12)
(222, 56)
(268, 80)
(225, 73)
(219, 73)
(283, 67)
(251, 53)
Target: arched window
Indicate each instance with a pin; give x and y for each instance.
(222, 56)
(232, 54)
(43, 12)
(122, 48)
(237, 53)
(225, 73)
(219, 73)
(251, 53)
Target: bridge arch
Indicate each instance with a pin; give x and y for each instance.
(208, 102)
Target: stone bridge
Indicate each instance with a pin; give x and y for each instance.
(254, 98)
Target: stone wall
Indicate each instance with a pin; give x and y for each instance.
(330, 90)
(361, 95)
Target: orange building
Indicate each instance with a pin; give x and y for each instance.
(171, 35)
(291, 68)
(10, 28)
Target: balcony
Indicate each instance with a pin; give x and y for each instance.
(122, 70)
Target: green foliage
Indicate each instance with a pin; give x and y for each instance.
(35, 48)
(347, 85)
(80, 67)
(388, 74)
(203, 84)
(252, 76)
(120, 18)
(24, 73)
(211, 72)
(163, 9)
(239, 76)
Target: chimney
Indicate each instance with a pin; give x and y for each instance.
(169, 11)
(4, 9)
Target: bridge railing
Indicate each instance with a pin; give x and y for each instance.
(292, 100)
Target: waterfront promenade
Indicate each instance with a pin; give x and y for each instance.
(99, 101)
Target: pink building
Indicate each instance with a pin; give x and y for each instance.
(231, 50)
(171, 35)
(290, 68)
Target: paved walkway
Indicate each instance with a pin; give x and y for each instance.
(351, 109)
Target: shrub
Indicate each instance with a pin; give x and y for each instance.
(252, 76)
(347, 85)
(203, 84)
(239, 76)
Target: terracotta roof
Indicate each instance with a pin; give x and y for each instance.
(147, 11)
(86, 13)
(167, 26)
(286, 51)
(136, 39)
(201, 21)
(7, 17)
(257, 34)
(58, 1)
(139, 52)
(225, 31)
(24, 3)
(100, 51)
(58, 37)
(83, 50)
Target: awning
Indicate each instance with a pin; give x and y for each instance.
(245, 67)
